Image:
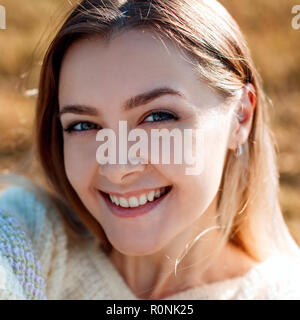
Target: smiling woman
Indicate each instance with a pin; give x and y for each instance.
(149, 230)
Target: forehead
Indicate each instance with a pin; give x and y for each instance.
(134, 61)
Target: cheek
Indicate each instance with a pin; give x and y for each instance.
(214, 152)
(80, 163)
(194, 193)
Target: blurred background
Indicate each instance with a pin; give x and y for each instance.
(275, 47)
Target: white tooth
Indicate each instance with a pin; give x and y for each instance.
(143, 199)
(150, 195)
(133, 202)
(124, 203)
(157, 194)
(111, 198)
(116, 200)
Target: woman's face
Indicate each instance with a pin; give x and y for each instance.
(100, 78)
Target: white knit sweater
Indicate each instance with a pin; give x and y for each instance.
(82, 271)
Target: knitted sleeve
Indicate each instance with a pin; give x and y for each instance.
(32, 247)
(21, 276)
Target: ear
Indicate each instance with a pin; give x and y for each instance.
(243, 117)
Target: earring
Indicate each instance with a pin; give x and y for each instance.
(238, 151)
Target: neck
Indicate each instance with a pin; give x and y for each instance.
(169, 271)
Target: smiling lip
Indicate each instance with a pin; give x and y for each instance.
(135, 211)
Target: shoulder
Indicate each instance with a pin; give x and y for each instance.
(32, 210)
(277, 278)
(26, 207)
(28, 220)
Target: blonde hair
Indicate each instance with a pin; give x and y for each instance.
(248, 203)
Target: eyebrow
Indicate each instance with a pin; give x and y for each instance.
(131, 103)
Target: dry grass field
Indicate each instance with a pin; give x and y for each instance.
(275, 48)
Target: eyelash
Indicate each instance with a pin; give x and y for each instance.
(162, 113)
(70, 129)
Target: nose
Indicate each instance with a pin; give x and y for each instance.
(121, 173)
(125, 166)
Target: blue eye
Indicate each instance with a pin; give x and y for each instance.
(81, 126)
(158, 116)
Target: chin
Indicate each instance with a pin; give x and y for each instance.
(135, 248)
